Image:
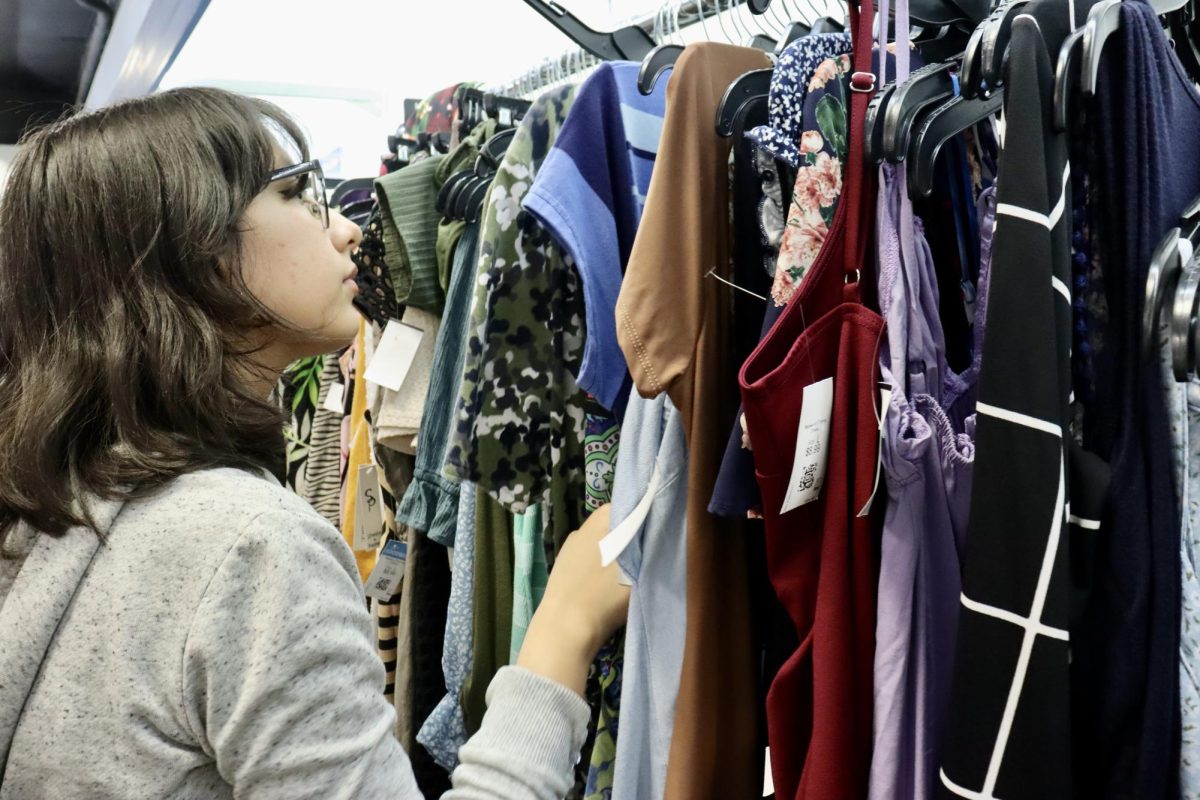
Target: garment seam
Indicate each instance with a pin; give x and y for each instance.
(639, 349)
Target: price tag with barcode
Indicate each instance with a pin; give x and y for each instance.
(384, 581)
(812, 446)
(368, 509)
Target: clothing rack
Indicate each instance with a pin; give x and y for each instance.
(573, 64)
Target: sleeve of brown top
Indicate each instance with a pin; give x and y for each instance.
(673, 326)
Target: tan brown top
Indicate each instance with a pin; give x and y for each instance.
(673, 326)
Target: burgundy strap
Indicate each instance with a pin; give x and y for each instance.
(858, 185)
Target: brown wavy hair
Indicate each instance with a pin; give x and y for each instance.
(124, 316)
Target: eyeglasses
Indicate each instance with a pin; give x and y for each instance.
(310, 186)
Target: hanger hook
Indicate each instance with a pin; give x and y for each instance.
(780, 17)
(761, 21)
(740, 31)
(739, 22)
(719, 14)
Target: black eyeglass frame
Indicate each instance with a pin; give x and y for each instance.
(304, 167)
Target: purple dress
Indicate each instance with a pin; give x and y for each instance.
(928, 451)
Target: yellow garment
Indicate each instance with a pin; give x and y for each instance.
(360, 452)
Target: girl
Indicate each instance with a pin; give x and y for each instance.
(174, 623)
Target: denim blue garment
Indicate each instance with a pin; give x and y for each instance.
(445, 731)
(431, 503)
(652, 440)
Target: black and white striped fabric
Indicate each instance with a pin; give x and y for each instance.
(1008, 735)
(322, 483)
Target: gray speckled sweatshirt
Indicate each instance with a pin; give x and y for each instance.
(217, 645)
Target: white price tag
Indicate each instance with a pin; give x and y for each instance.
(768, 779)
(617, 539)
(368, 509)
(384, 581)
(885, 399)
(812, 446)
(335, 399)
(394, 355)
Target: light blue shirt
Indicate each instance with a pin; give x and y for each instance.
(652, 439)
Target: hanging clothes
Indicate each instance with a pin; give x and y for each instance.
(358, 447)
(431, 503)
(655, 560)
(323, 468)
(300, 388)
(589, 195)
(821, 556)
(927, 452)
(410, 228)
(398, 414)
(1009, 730)
(676, 340)
(1127, 653)
(445, 730)
(794, 114)
(523, 452)
(492, 604)
(530, 575)
(1188, 473)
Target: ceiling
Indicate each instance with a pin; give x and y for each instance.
(48, 48)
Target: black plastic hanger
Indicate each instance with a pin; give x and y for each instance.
(1184, 330)
(760, 41)
(461, 198)
(630, 43)
(996, 36)
(1066, 77)
(927, 87)
(1103, 21)
(747, 89)
(873, 124)
(475, 202)
(940, 126)
(948, 12)
(361, 208)
(1166, 266)
(464, 202)
(970, 74)
(827, 25)
(942, 43)
(797, 30)
(493, 149)
(1183, 26)
(1172, 281)
(656, 62)
(347, 186)
(449, 190)
(750, 114)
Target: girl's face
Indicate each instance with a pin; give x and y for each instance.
(300, 271)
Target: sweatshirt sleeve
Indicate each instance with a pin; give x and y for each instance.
(284, 689)
(528, 744)
(282, 684)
